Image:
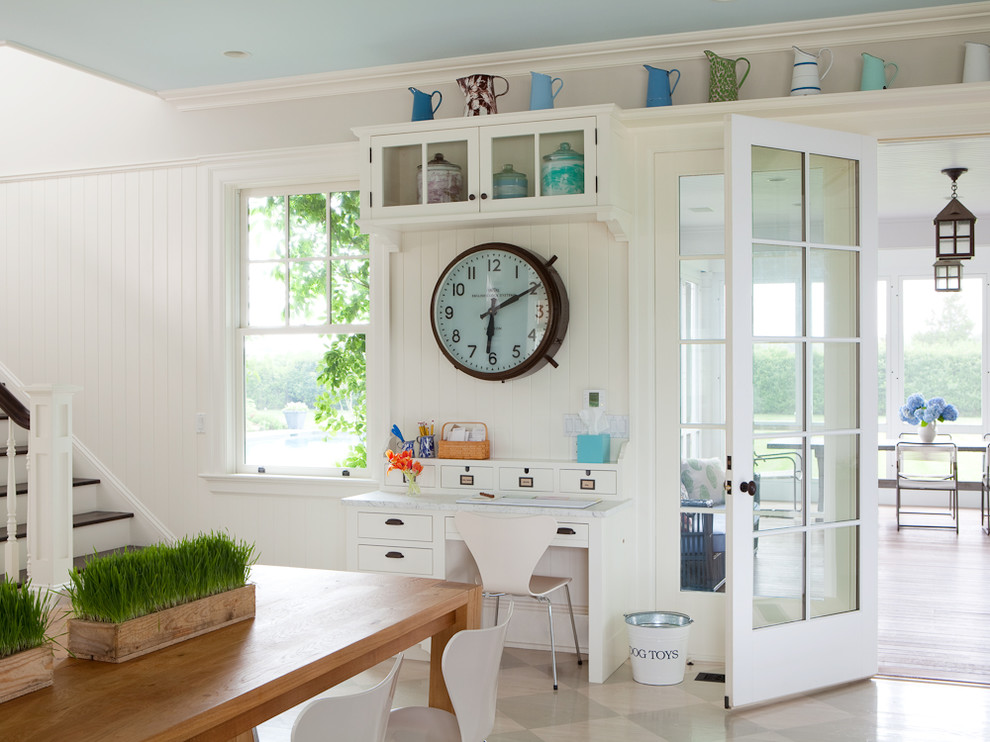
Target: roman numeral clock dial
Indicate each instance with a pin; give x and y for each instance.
(499, 311)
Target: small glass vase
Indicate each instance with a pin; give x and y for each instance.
(927, 432)
(412, 486)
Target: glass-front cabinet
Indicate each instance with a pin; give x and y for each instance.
(451, 170)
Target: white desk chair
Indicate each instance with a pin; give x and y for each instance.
(470, 665)
(928, 466)
(507, 550)
(358, 717)
(985, 489)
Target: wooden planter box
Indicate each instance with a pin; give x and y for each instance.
(119, 642)
(25, 672)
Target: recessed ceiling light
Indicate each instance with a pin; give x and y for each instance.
(235, 54)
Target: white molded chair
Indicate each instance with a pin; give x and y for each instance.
(928, 466)
(470, 665)
(358, 717)
(507, 550)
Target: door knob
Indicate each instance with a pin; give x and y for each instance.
(748, 487)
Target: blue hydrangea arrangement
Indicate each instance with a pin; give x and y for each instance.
(916, 411)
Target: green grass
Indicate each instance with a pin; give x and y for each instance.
(24, 617)
(122, 586)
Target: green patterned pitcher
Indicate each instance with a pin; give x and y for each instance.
(722, 84)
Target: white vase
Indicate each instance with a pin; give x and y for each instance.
(927, 432)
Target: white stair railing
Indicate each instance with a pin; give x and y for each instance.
(11, 554)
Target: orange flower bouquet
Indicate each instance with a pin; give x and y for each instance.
(403, 461)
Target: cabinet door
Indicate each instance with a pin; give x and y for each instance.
(559, 160)
(450, 157)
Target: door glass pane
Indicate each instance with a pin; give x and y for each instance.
(881, 355)
(833, 483)
(778, 295)
(703, 551)
(777, 391)
(702, 383)
(833, 198)
(703, 443)
(779, 472)
(834, 385)
(942, 345)
(834, 570)
(702, 297)
(702, 214)
(833, 302)
(778, 579)
(778, 194)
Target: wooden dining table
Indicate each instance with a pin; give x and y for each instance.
(312, 629)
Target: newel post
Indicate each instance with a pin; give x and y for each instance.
(49, 521)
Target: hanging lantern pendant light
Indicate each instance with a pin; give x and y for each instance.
(954, 226)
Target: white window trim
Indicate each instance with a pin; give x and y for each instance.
(223, 178)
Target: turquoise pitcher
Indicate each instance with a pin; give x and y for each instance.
(423, 108)
(722, 84)
(875, 73)
(541, 92)
(658, 87)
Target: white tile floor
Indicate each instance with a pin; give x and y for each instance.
(879, 710)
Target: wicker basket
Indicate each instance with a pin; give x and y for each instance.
(462, 449)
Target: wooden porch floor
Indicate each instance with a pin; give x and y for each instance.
(934, 600)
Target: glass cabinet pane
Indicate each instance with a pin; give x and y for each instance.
(446, 165)
(778, 194)
(515, 167)
(562, 167)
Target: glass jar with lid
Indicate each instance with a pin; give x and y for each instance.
(562, 172)
(510, 183)
(444, 181)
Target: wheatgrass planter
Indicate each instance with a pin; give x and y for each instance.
(26, 672)
(119, 642)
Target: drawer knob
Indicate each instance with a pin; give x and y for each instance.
(394, 555)
(565, 531)
(394, 522)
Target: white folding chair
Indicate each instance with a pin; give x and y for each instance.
(470, 666)
(358, 717)
(507, 550)
(928, 466)
(985, 489)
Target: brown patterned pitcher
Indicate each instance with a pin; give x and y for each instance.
(722, 84)
(479, 93)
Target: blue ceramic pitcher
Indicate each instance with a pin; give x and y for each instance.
(542, 94)
(423, 108)
(658, 87)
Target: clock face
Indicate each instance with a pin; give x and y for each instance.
(499, 312)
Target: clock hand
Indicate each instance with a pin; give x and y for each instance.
(512, 299)
(490, 332)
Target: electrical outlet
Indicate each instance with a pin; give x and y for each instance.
(200, 422)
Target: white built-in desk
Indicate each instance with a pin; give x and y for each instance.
(392, 532)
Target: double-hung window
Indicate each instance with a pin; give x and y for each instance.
(302, 329)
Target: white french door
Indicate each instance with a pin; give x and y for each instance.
(802, 513)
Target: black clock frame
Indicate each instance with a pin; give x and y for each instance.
(556, 328)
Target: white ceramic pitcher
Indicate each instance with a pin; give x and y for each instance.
(806, 79)
(976, 65)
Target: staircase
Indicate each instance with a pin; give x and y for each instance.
(95, 527)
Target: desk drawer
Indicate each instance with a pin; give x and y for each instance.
(571, 534)
(399, 559)
(393, 526)
(525, 479)
(468, 477)
(588, 481)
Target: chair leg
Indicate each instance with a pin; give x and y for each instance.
(499, 596)
(897, 507)
(553, 644)
(577, 647)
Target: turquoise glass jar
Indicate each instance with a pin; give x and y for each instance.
(562, 172)
(510, 184)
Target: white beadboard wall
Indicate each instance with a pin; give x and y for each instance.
(524, 416)
(106, 284)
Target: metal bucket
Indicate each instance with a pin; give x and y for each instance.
(658, 646)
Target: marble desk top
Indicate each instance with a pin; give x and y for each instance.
(379, 499)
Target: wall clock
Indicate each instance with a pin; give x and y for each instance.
(499, 311)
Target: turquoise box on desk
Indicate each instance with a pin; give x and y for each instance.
(594, 449)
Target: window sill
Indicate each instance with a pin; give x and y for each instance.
(284, 484)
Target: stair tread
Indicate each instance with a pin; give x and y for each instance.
(78, 520)
(76, 482)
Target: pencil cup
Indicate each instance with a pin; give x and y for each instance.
(427, 447)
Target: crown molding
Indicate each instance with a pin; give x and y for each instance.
(951, 20)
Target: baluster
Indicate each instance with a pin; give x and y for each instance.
(11, 559)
